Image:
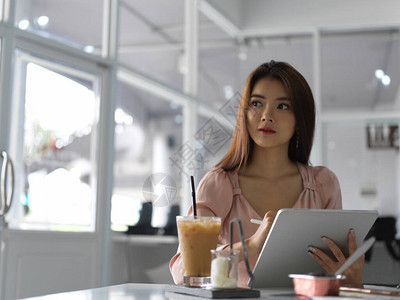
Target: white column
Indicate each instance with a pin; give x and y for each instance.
(161, 164)
(6, 86)
(107, 127)
(109, 47)
(317, 150)
(191, 47)
(6, 67)
(190, 86)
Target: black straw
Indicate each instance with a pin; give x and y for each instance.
(193, 197)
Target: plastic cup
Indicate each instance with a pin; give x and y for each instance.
(197, 236)
(224, 268)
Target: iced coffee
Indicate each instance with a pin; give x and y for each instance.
(197, 236)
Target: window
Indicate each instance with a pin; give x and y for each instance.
(151, 39)
(55, 122)
(349, 63)
(213, 139)
(147, 166)
(62, 21)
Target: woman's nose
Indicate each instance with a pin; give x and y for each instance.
(267, 115)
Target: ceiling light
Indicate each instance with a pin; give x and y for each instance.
(379, 73)
(23, 24)
(88, 49)
(228, 92)
(385, 80)
(178, 119)
(42, 21)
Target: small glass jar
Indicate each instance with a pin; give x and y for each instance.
(224, 268)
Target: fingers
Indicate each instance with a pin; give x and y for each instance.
(352, 241)
(323, 259)
(334, 248)
(326, 261)
(270, 214)
(320, 257)
(269, 218)
(256, 241)
(330, 265)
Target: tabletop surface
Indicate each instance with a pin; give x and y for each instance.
(132, 291)
(136, 291)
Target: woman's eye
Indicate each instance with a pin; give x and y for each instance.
(255, 103)
(283, 106)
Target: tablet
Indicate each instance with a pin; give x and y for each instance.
(285, 249)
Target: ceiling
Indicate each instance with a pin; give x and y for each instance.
(357, 37)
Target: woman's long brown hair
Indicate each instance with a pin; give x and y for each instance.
(302, 100)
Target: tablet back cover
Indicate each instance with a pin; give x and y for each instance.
(285, 249)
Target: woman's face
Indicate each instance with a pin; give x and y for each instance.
(270, 118)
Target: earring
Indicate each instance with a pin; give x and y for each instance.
(297, 139)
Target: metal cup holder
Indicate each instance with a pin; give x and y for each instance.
(246, 260)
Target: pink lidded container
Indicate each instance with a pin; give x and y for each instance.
(316, 285)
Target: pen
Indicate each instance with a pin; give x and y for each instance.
(255, 221)
(356, 255)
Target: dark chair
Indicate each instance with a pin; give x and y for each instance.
(143, 226)
(384, 229)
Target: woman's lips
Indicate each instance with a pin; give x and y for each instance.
(266, 130)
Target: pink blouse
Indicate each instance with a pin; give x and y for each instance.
(219, 195)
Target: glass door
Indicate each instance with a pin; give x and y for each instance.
(54, 142)
(55, 146)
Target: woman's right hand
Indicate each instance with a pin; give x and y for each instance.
(256, 241)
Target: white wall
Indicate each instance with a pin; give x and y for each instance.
(368, 177)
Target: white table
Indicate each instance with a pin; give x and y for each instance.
(136, 291)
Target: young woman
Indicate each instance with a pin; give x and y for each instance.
(267, 168)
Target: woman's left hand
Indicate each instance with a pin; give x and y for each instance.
(353, 273)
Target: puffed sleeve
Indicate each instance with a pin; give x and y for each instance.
(329, 188)
(213, 198)
(214, 195)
